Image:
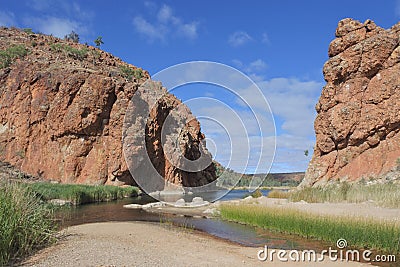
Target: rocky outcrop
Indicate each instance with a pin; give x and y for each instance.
(358, 122)
(62, 110)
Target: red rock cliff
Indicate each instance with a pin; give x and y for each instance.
(358, 122)
(62, 109)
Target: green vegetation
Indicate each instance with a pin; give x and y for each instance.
(228, 178)
(256, 194)
(98, 42)
(69, 51)
(95, 56)
(25, 224)
(359, 232)
(129, 73)
(10, 54)
(385, 195)
(57, 47)
(73, 37)
(28, 30)
(75, 53)
(277, 194)
(81, 194)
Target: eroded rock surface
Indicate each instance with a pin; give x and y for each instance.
(62, 114)
(358, 122)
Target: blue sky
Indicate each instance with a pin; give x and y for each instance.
(281, 45)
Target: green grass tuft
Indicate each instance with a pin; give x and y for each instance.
(129, 73)
(359, 232)
(81, 194)
(25, 224)
(10, 54)
(75, 53)
(256, 194)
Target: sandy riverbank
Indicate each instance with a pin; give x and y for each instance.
(366, 209)
(147, 244)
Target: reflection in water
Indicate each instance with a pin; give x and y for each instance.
(242, 234)
(211, 195)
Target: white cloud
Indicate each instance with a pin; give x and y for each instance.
(239, 38)
(61, 18)
(165, 25)
(292, 103)
(7, 19)
(237, 63)
(265, 38)
(257, 65)
(61, 8)
(252, 68)
(165, 14)
(58, 27)
(148, 29)
(291, 100)
(189, 30)
(290, 153)
(150, 5)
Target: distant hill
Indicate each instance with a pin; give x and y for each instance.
(230, 178)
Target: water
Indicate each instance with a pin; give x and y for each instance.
(233, 232)
(114, 211)
(212, 195)
(239, 194)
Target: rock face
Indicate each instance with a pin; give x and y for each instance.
(62, 109)
(358, 123)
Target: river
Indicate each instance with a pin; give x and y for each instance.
(241, 234)
(234, 232)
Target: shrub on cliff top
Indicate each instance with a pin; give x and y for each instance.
(73, 36)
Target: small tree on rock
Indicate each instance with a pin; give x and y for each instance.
(99, 41)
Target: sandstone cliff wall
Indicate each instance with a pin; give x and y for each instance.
(62, 109)
(358, 122)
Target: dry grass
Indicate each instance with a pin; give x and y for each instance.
(384, 195)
